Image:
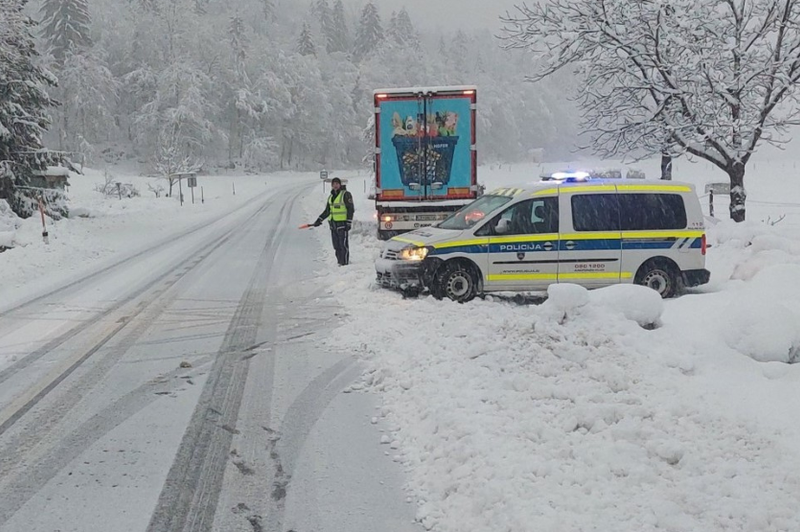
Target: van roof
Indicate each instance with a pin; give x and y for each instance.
(600, 185)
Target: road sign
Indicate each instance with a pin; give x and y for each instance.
(323, 175)
(718, 188)
(192, 182)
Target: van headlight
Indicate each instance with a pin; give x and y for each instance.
(413, 253)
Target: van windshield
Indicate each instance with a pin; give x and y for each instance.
(474, 212)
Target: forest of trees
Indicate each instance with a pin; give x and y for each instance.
(268, 84)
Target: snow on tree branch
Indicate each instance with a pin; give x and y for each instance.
(712, 78)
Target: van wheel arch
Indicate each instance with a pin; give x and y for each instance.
(662, 274)
(449, 269)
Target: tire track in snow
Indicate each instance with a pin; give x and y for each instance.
(147, 312)
(26, 474)
(36, 355)
(190, 495)
(296, 425)
(33, 474)
(170, 240)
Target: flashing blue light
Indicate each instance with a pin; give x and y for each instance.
(568, 177)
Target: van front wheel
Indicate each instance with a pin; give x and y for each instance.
(660, 275)
(457, 282)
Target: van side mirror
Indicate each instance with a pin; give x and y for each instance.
(503, 227)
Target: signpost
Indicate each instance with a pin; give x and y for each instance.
(716, 188)
(45, 234)
(192, 182)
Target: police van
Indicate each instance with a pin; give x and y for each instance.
(579, 230)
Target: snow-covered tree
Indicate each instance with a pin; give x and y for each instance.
(711, 78)
(238, 92)
(24, 101)
(245, 106)
(65, 26)
(171, 161)
(404, 32)
(369, 34)
(268, 8)
(87, 92)
(391, 28)
(305, 43)
(324, 14)
(339, 31)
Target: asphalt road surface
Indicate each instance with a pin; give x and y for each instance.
(186, 388)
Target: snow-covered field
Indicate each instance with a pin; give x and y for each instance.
(102, 229)
(572, 416)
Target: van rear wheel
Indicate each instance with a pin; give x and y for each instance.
(662, 276)
(456, 281)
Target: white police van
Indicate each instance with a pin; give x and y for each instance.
(577, 230)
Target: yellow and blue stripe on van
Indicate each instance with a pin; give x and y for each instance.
(628, 240)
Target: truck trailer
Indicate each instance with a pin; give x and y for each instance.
(425, 156)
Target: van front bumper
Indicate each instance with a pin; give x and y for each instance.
(399, 274)
(406, 275)
(693, 278)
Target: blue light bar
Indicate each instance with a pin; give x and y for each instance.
(568, 177)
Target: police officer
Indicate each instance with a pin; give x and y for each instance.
(340, 209)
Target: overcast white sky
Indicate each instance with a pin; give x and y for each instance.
(450, 14)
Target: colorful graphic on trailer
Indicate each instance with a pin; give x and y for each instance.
(425, 149)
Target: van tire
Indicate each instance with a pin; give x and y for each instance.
(662, 275)
(456, 281)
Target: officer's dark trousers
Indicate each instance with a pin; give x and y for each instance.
(341, 242)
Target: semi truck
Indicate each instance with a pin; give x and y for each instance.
(425, 156)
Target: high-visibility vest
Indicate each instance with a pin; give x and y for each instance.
(338, 208)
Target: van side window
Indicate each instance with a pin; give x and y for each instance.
(530, 217)
(639, 212)
(595, 212)
(545, 216)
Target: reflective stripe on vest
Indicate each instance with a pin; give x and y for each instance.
(338, 208)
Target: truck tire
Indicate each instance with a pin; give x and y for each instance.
(662, 275)
(456, 281)
(386, 235)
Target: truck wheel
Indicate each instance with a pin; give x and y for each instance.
(457, 282)
(662, 276)
(386, 235)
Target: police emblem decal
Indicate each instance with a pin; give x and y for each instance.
(520, 255)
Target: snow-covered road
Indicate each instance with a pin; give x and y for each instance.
(187, 388)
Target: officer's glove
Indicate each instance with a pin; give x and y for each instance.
(348, 225)
(318, 223)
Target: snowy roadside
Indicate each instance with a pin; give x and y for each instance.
(571, 415)
(101, 229)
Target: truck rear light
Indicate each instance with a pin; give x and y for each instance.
(387, 219)
(704, 244)
(469, 93)
(382, 96)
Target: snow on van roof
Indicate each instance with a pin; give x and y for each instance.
(629, 184)
(416, 90)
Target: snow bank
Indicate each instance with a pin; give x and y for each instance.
(635, 303)
(9, 223)
(575, 415)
